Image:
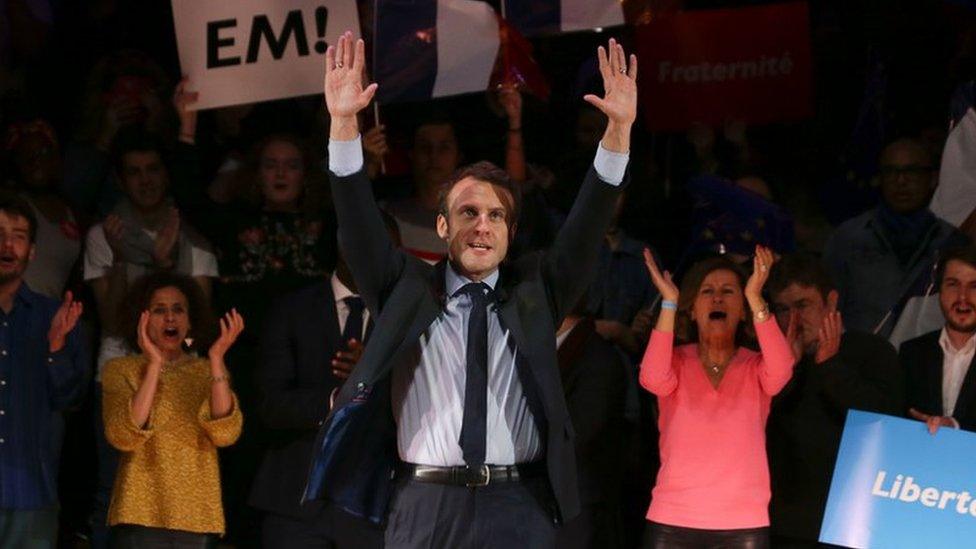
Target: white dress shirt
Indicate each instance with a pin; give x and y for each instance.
(346, 158)
(428, 393)
(955, 365)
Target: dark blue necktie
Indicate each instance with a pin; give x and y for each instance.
(473, 428)
(354, 322)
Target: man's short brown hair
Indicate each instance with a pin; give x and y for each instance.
(803, 270)
(964, 254)
(488, 173)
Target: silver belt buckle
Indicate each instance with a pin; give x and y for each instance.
(485, 472)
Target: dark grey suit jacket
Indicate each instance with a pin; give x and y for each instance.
(356, 447)
(294, 381)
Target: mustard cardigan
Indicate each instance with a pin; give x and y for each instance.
(168, 475)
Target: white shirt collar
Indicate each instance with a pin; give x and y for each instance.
(949, 349)
(453, 281)
(340, 290)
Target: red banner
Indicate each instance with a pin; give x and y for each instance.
(749, 64)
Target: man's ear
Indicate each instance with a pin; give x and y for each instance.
(31, 253)
(511, 232)
(442, 231)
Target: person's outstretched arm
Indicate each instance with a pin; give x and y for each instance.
(363, 238)
(777, 355)
(656, 370)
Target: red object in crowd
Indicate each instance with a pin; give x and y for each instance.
(515, 65)
(709, 66)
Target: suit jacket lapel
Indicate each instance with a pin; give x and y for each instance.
(425, 315)
(935, 374)
(526, 367)
(967, 392)
(508, 312)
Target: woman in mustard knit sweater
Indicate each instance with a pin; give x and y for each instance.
(168, 411)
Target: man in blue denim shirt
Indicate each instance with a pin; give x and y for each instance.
(43, 371)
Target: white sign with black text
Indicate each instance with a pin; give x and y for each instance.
(248, 51)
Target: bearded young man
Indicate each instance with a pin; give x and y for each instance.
(941, 377)
(460, 383)
(44, 367)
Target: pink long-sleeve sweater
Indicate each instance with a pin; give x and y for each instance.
(713, 472)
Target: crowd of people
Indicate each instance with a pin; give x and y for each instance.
(260, 325)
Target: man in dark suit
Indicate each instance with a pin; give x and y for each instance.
(460, 381)
(941, 376)
(594, 375)
(312, 339)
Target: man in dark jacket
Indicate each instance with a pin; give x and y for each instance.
(460, 381)
(941, 377)
(838, 371)
(310, 343)
(595, 377)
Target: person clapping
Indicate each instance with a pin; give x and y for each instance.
(168, 410)
(714, 396)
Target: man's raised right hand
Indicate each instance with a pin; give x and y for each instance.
(344, 93)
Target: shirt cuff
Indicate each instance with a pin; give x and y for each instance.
(346, 157)
(955, 424)
(610, 166)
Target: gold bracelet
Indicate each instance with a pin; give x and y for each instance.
(760, 315)
(222, 377)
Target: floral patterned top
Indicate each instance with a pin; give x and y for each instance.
(276, 245)
(261, 255)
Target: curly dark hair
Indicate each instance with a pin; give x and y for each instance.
(684, 327)
(203, 324)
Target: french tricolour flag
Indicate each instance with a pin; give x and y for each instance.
(433, 48)
(533, 17)
(954, 201)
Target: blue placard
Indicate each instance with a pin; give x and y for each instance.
(895, 486)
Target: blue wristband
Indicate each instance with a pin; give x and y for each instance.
(669, 305)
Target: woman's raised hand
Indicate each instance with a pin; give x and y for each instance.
(662, 281)
(231, 326)
(762, 262)
(146, 345)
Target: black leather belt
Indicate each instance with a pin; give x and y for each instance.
(472, 477)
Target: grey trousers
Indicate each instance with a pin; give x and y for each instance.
(506, 515)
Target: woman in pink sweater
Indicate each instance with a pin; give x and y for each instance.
(713, 486)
